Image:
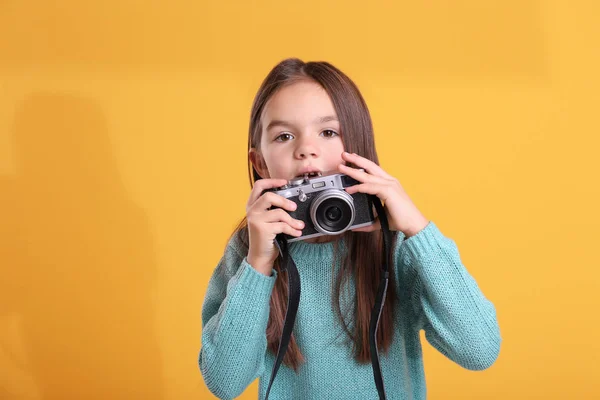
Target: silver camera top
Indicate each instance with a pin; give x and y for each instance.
(304, 185)
(312, 183)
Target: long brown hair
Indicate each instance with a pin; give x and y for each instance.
(364, 250)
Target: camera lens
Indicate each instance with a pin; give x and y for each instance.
(332, 212)
(334, 215)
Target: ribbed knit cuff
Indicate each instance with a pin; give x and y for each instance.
(248, 296)
(426, 241)
(250, 278)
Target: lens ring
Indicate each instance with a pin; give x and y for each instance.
(346, 200)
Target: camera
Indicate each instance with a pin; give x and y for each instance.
(324, 206)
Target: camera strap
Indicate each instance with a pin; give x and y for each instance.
(287, 264)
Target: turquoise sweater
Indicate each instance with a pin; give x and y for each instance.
(436, 293)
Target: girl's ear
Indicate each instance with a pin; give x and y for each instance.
(258, 162)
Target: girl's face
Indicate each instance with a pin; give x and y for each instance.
(300, 133)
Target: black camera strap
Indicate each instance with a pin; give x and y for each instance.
(287, 264)
(380, 299)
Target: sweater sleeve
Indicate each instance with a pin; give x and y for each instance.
(234, 321)
(447, 303)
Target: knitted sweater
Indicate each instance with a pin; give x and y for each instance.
(436, 293)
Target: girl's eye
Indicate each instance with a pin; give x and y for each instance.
(329, 133)
(284, 137)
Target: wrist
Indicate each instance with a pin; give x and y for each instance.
(415, 227)
(263, 267)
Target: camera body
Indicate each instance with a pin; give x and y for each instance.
(324, 206)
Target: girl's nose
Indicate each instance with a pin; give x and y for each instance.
(305, 154)
(306, 148)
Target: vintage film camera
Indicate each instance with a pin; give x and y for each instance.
(324, 206)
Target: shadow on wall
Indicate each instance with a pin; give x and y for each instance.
(77, 262)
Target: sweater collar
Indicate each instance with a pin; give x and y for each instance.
(304, 249)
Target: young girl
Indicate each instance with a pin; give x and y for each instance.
(310, 117)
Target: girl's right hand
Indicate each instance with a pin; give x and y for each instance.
(265, 223)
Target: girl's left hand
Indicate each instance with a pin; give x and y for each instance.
(402, 214)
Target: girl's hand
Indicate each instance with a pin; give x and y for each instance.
(265, 223)
(402, 214)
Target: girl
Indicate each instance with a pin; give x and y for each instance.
(310, 117)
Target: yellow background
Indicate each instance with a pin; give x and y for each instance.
(122, 172)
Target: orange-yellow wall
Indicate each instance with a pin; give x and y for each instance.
(122, 173)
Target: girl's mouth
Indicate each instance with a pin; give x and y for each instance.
(309, 175)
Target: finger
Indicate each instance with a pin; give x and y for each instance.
(367, 164)
(359, 175)
(283, 227)
(260, 186)
(270, 199)
(369, 188)
(279, 215)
